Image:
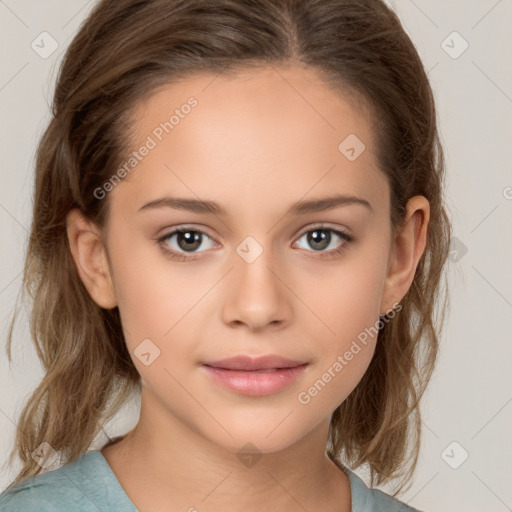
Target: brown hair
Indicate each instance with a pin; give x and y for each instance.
(122, 53)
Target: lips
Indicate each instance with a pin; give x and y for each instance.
(255, 375)
(255, 364)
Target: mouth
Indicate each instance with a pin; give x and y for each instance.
(255, 376)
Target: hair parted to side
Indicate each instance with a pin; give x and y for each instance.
(122, 53)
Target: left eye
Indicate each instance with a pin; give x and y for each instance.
(321, 238)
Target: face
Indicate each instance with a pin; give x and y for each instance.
(254, 274)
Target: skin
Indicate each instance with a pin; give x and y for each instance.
(255, 145)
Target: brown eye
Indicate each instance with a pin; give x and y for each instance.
(321, 238)
(180, 242)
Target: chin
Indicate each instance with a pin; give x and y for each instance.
(265, 437)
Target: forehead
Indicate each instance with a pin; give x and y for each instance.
(257, 133)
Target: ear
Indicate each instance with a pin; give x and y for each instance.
(407, 248)
(90, 257)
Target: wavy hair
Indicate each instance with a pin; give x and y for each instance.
(123, 52)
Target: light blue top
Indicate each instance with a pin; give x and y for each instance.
(88, 484)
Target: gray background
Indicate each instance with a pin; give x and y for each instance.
(469, 399)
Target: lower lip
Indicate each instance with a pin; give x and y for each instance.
(255, 383)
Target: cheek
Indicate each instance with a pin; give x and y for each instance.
(348, 298)
(158, 301)
(345, 345)
(152, 292)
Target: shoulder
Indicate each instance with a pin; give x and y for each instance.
(49, 492)
(76, 486)
(365, 499)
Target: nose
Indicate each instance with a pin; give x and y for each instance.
(256, 295)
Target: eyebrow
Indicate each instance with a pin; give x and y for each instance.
(299, 208)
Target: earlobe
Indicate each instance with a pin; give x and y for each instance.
(90, 258)
(407, 248)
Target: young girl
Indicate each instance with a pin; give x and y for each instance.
(293, 146)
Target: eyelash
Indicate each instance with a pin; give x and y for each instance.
(177, 256)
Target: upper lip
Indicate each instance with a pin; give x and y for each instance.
(249, 363)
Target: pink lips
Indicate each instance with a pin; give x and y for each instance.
(255, 376)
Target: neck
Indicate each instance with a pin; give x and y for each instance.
(165, 465)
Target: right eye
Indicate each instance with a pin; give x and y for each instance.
(186, 240)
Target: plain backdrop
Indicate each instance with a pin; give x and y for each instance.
(466, 456)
